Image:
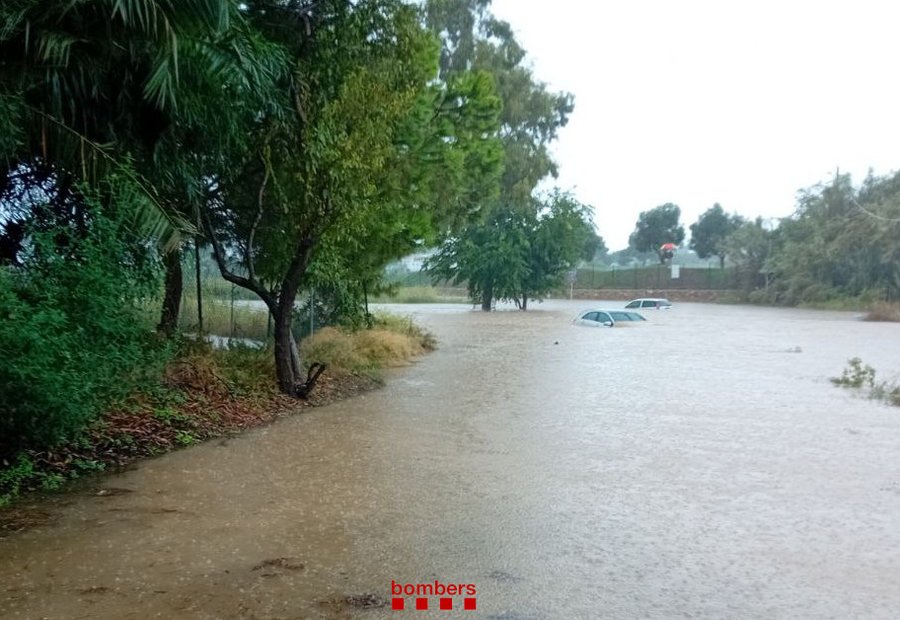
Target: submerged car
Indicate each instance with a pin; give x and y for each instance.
(607, 318)
(656, 303)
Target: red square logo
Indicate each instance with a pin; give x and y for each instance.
(397, 603)
(421, 603)
(446, 603)
(468, 603)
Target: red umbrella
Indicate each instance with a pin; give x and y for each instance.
(668, 246)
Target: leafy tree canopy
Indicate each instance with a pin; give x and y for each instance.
(656, 227)
(522, 255)
(709, 232)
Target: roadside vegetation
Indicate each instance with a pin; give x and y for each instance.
(205, 393)
(840, 249)
(287, 152)
(282, 152)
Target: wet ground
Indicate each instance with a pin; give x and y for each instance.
(699, 465)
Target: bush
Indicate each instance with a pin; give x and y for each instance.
(334, 347)
(883, 311)
(72, 333)
(393, 341)
(859, 376)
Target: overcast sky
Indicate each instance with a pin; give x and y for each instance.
(696, 102)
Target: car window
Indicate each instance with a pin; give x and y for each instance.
(590, 316)
(634, 304)
(603, 317)
(634, 316)
(649, 304)
(621, 316)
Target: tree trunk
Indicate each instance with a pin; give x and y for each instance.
(487, 295)
(721, 261)
(524, 305)
(285, 366)
(287, 358)
(168, 320)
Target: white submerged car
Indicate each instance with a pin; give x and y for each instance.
(654, 303)
(608, 318)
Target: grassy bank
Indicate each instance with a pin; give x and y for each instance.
(422, 295)
(207, 393)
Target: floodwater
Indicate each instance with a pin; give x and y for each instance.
(699, 465)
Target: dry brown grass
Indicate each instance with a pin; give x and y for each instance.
(389, 344)
(333, 347)
(883, 311)
(386, 348)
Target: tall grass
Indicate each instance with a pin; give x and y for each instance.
(222, 318)
(883, 311)
(422, 295)
(393, 341)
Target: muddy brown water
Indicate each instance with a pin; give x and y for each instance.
(700, 465)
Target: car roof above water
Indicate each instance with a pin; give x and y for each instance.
(657, 301)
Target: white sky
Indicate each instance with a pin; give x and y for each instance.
(701, 101)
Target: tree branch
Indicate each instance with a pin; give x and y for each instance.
(262, 189)
(248, 283)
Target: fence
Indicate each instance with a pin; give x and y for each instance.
(218, 307)
(658, 277)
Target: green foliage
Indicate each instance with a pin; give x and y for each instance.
(505, 252)
(656, 227)
(490, 259)
(594, 248)
(856, 375)
(70, 318)
(557, 238)
(246, 369)
(400, 294)
(14, 477)
(861, 376)
(185, 438)
(748, 248)
(522, 255)
(842, 241)
(710, 231)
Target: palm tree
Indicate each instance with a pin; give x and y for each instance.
(145, 88)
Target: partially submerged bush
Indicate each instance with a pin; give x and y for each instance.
(856, 375)
(405, 325)
(861, 376)
(394, 341)
(332, 346)
(883, 311)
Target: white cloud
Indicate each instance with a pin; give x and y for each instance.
(696, 102)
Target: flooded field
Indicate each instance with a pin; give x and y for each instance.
(698, 465)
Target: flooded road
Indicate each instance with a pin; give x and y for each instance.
(699, 465)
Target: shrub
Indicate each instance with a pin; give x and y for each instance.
(883, 311)
(393, 341)
(856, 375)
(334, 347)
(862, 377)
(72, 333)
